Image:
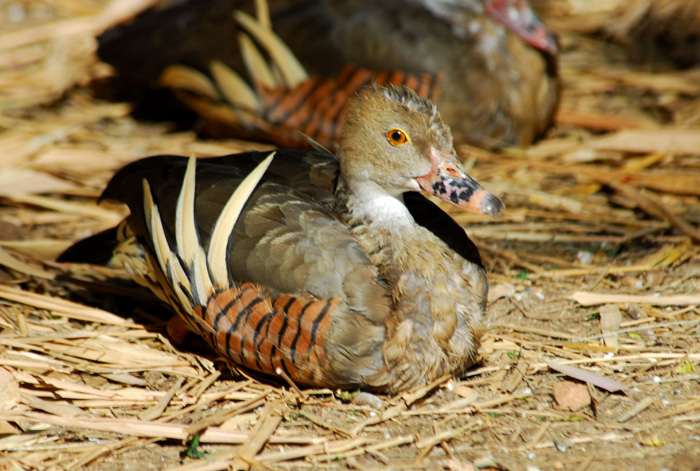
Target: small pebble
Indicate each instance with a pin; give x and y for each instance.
(561, 446)
(584, 257)
(367, 399)
(16, 13)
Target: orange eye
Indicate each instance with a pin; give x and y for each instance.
(397, 137)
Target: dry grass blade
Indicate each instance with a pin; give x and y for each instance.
(328, 426)
(54, 408)
(592, 299)
(682, 141)
(60, 306)
(10, 261)
(82, 209)
(497, 401)
(44, 60)
(407, 399)
(157, 410)
(374, 449)
(140, 428)
(638, 407)
(447, 434)
(604, 437)
(244, 406)
(20, 181)
(269, 420)
(332, 448)
(693, 404)
(123, 426)
(115, 12)
(657, 209)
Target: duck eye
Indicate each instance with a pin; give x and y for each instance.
(397, 137)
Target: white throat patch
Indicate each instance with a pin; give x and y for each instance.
(373, 203)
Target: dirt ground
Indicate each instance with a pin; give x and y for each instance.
(591, 361)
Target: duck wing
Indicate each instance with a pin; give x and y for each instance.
(280, 287)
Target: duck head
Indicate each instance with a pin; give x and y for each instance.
(519, 17)
(395, 141)
(516, 15)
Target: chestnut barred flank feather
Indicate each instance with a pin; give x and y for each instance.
(316, 108)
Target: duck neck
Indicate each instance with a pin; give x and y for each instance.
(387, 232)
(366, 203)
(424, 276)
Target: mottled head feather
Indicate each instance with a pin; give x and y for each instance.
(411, 101)
(378, 109)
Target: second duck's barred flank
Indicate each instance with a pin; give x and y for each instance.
(317, 106)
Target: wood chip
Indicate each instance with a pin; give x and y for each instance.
(571, 396)
(9, 389)
(610, 319)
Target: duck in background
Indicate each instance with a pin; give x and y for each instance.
(491, 65)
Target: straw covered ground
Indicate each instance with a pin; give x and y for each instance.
(591, 361)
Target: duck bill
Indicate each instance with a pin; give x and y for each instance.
(449, 181)
(519, 17)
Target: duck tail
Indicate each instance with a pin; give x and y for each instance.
(94, 250)
(245, 322)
